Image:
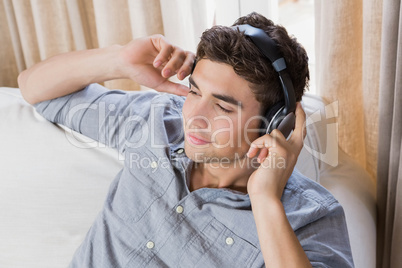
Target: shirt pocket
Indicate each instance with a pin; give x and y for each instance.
(217, 246)
(143, 181)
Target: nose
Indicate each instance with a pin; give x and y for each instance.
(198, 118)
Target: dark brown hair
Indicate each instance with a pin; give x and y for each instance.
(228, 45)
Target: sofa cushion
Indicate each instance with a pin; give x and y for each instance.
(51, 188)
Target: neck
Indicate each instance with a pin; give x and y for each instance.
(233, 175)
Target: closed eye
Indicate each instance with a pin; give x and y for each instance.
(196, 94)
(193, 92)
(224, 110)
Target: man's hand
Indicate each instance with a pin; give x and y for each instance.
(152, 60)
(279, 244)
(278, 157)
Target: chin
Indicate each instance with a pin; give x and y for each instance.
(195, 154)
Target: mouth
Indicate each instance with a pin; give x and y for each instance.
(196, 140)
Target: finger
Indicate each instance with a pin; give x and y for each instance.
(265, 141)
(262, 155)
(269, 140)
(174, 88)
(277, 134)
(165, 50)
(300, 116)
(252, 152)
(300, 127)
(187, 66)
(174, 63)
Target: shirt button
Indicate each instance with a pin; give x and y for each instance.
(154, 164)
(180, 151)
(150, 244)
(179, 209)
(229, 241)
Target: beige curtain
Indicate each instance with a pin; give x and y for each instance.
(33, 30)
(389, 186)
(348, 38)
(359, 65)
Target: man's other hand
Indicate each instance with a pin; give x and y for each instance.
(151, 61)
(278, 157)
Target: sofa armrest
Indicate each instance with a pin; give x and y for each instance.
(322, 160)
(354, 189)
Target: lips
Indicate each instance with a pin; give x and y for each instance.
(196, 140)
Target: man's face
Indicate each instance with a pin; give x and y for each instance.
(220, 114)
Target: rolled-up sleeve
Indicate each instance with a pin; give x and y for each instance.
(112, 117)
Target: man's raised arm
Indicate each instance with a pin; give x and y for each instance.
(148, 61)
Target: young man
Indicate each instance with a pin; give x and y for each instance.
(200, 186)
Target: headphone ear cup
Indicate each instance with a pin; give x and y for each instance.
(269, 120)
(287, 124)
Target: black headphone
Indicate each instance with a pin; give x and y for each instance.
(280, 116)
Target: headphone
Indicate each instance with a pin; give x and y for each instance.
(281, 115)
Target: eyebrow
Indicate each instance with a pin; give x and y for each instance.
(225, 98)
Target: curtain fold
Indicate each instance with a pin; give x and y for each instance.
(339, 69)
(13, 33)
(82, 19)
(52, 25)
(372, 20)
(113, 27)
(191, 20)
(26, 31)
(9, 66)
(389, 180)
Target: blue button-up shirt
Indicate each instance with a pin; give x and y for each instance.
(151, 219)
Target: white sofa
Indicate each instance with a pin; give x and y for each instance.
(53, 183)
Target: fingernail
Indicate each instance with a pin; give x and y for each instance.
(157, 64)
(182, 75)
(168, 73)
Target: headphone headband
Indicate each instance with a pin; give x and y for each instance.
(265, 44)
(269, 49)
